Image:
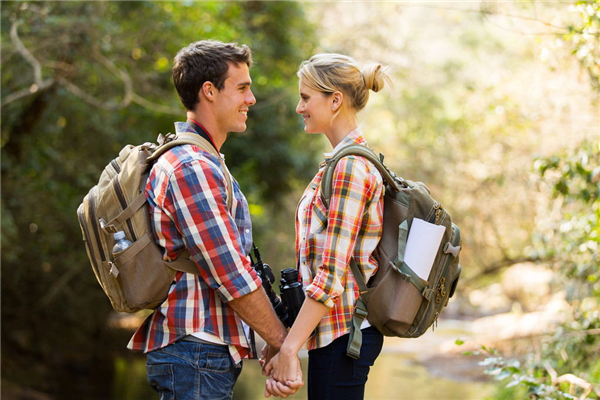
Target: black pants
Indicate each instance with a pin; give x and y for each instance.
(332, 375)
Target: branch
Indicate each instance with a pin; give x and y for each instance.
(41, 84)
(486, 12)
(499, 265)
(28, 91)
(573, 380)
(20, 47)
(124, 76)
(154, 106)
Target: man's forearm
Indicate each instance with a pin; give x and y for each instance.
(255, 309)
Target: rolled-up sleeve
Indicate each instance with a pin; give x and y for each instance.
(353, 188)
(196, 199)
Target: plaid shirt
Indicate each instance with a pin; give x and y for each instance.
(327, 239)
(187, 193)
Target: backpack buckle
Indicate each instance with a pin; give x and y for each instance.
(450, 249)
(105, 227)
(360, 312)
(114, 271)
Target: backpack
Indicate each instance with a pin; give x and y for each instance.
(396, 300)
(137, 278)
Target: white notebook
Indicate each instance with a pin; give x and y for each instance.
(422, 245)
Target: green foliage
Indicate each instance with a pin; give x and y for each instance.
(79, 81)
(572, 243)
(575, 242)
(585, 37)
(532, 381)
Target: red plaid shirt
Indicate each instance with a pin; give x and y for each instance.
(326, 239)
(187, 194)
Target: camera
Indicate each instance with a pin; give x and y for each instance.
(288, 306)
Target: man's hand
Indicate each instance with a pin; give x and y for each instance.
(266, 354)
(278, 389)
(285, 375)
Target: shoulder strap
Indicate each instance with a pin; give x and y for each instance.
(360, 308)
(355, 150)
(197, 140)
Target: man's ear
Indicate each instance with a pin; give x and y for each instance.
(337, 98)
(208, 90)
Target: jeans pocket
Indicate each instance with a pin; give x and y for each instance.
(218, 362)
(162, 379)
(218, 376)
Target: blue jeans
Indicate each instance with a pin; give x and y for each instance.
(332, 375)
(187, 370)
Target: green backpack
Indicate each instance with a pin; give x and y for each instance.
(396, 300)
(136, 278)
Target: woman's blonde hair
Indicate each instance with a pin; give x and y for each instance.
(329, 73)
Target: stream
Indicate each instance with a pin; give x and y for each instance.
(431, 367)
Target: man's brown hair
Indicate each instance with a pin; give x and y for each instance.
(205, 61)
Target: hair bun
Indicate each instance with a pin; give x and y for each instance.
(375, 76)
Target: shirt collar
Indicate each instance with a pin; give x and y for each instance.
(192, 126)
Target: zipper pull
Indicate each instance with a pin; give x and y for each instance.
(438, 212)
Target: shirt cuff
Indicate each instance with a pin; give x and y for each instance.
(318, 294)
(244, 283)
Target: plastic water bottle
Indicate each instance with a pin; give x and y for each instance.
(121, 242)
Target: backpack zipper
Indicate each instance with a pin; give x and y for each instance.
(441, 289)
(435, 215)
(440, 280)
(95, 226)
(123, 202)
(116, 165)
(87, 239)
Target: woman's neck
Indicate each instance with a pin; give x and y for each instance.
(339, 130)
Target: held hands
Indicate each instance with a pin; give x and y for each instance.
(284, 372)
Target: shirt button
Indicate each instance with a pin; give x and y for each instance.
(247, 230)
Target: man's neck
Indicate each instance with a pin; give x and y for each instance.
(209, 126)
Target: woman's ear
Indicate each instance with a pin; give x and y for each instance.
(337, 98)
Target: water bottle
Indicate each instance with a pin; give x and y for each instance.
(121, 242)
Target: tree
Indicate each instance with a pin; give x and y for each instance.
(79, 81)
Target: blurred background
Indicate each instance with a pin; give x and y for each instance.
(495, 105)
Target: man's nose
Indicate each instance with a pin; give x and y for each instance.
(250, 100)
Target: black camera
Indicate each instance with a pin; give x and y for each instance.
(292, 295)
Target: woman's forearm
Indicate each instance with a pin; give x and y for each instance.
(308, 318)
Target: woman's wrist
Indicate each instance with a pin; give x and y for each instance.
(288, 350)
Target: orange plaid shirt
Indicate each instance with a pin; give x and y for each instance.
(326, 239)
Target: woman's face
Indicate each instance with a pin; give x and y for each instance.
(316, 108)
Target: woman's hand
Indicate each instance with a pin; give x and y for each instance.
(285, 368)
(285, 375)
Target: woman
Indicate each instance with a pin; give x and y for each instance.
(333, 89)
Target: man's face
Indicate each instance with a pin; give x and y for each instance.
(233, 101)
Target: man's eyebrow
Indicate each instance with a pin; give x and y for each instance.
(243, 84)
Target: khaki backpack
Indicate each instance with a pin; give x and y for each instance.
(396, 300)
(136, 278)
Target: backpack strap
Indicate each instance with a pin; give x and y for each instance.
(363, 151)
(183, 262)
(394, 182)
(360, 313)
(197, 140)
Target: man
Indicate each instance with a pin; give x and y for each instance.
(195, 340)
